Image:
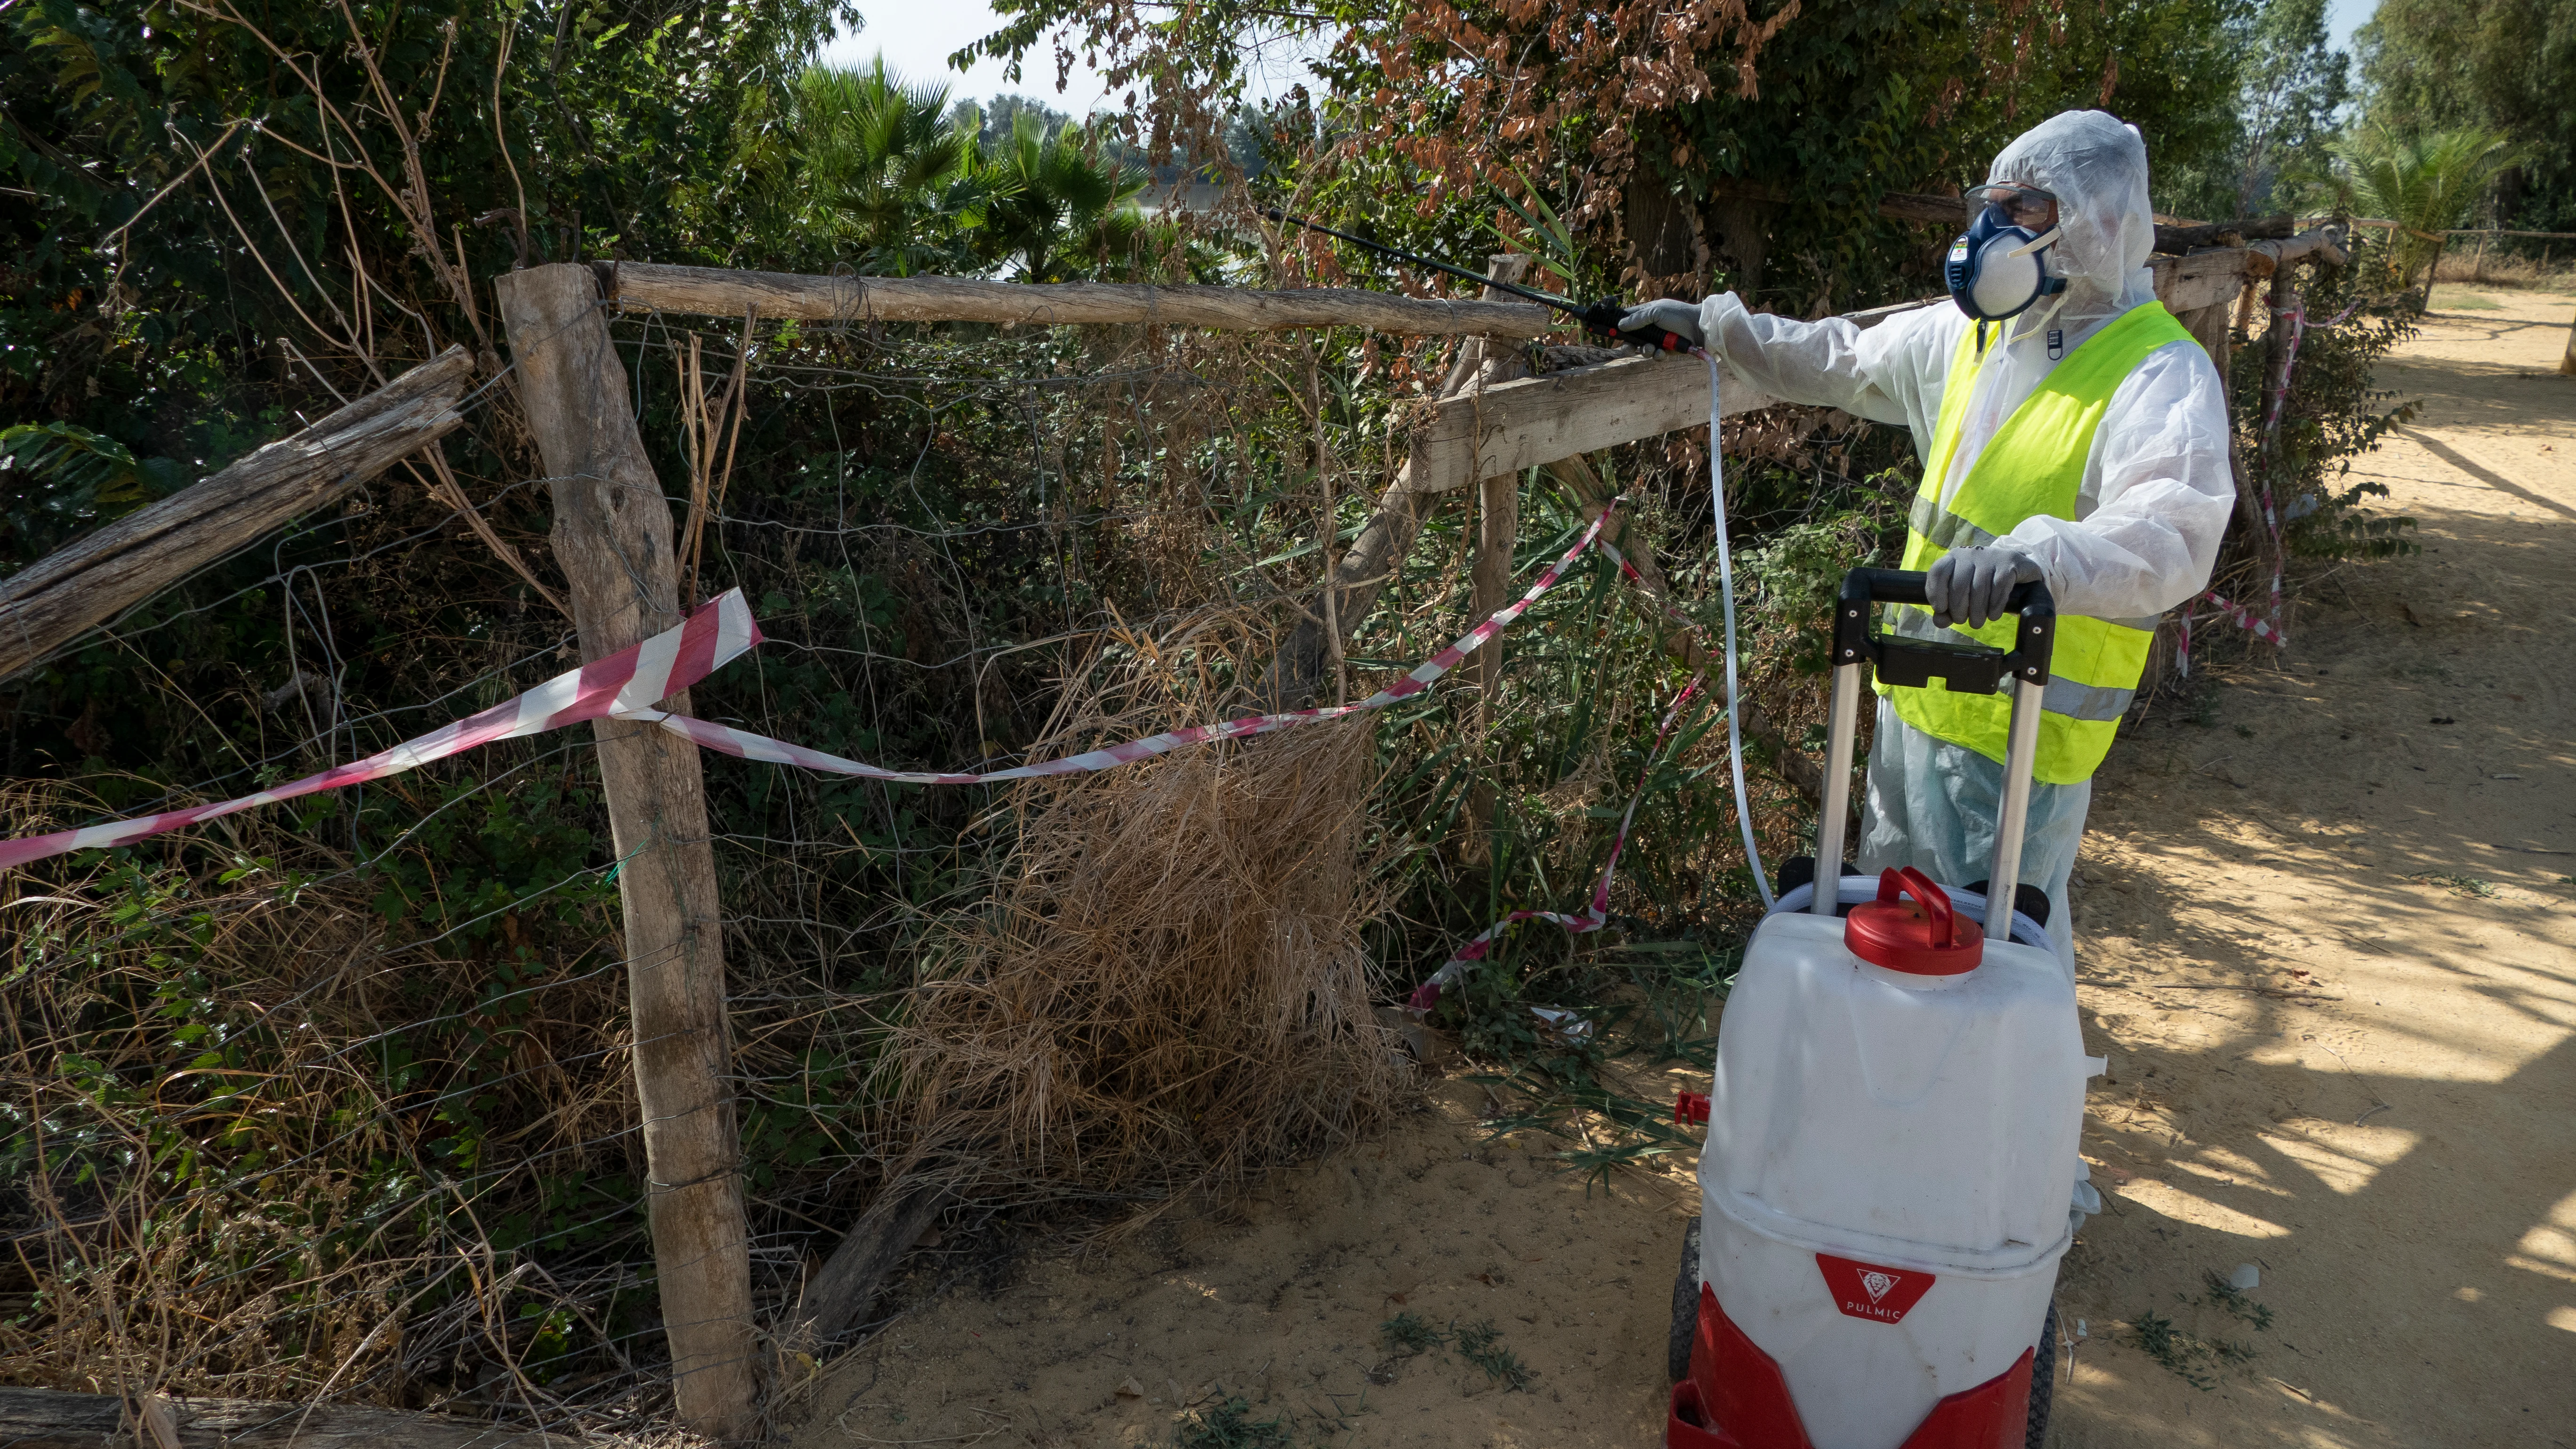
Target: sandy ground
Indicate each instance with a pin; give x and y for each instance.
(2328, 942)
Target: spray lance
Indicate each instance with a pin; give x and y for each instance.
(1599, 318)
(1602, 320)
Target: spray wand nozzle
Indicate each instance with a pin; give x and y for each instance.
(1599, 318)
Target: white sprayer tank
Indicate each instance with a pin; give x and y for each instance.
(1888, 1163)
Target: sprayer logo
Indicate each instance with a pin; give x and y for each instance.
(1869, 1290)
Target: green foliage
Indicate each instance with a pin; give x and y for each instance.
(1481, 1345)
(904, 184)
(1410, 1332)
(2331, 416)
(2291, 88)
(1230, 1425)
(2426, 183)
(2186, 1356)
(58, 479)
(2218, 1293)
(873, 163)
(2502, 66)
(1858, 98)
(1796, 572)
(1063, 208)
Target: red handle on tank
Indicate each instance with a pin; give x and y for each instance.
(1934, 900)
(1925, 939)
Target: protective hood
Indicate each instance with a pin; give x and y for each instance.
(2096, 167)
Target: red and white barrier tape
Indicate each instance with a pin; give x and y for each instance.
(1597, 915)
(2244, 617)
(622, 685)
(1593, 917)
(627, 684)
(2270, 630)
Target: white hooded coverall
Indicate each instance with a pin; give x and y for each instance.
(2155, 498)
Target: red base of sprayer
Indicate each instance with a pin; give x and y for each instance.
(1736, 1398)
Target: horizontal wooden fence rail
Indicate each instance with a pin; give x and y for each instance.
(712, 292)
(78, 587)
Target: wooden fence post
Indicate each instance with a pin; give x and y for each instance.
(612, 535)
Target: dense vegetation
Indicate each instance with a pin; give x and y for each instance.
(2505, 67)
(329, 1099)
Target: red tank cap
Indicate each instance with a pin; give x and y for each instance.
(1920, 937)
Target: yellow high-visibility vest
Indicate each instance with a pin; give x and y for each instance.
(2033, 465)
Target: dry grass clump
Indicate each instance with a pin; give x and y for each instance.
(1171, 987)
(2461, 262)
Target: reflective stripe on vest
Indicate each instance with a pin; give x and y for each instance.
(2033, 465)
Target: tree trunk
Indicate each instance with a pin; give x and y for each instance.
(1660, 233)
(1298, 669)
(612, 535)
(1741, 238)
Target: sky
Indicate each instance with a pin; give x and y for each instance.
(917, 37)
(2343, 17)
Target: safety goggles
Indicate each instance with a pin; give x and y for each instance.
(2027, 207)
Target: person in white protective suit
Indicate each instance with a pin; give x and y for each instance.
(2070, 431)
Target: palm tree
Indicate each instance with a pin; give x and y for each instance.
(1061, 206)
(2425, 183)
(880, 167)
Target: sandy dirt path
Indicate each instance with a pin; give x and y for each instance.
(2330, 947)
(2328, 942)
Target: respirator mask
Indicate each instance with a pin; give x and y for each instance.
(1999, 267)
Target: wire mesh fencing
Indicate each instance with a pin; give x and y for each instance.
(333, 1099)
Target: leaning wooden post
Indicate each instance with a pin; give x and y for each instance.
(612, 535)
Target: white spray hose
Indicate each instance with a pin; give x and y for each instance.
(1726, 592)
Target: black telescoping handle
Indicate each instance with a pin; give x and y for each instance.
(1961, 664)
(1600, 318)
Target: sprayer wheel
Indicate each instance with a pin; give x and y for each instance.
(1685, 1303)
(2043, 1380)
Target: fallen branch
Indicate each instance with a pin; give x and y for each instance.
(839, 1294)
(68, 592)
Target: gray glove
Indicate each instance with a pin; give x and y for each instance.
(1972, 583)
(1670, 315)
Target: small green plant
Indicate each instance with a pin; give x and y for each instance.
(1482, 1345)
(1411, 1332)
(1230, 1426)
(2204, 704)
(2191, 1358)
(2467, 885)
(2231, 1299)
(2157, 1337)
